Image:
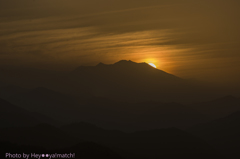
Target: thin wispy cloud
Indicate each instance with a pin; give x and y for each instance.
(178, 34)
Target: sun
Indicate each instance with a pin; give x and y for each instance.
(151, 64)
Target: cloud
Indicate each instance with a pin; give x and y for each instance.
(179, 34)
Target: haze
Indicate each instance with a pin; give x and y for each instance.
(190, 39)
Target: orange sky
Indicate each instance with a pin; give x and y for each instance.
(191, 39)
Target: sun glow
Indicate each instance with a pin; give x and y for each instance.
(151, 64)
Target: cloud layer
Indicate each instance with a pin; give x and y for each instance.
(197, 39)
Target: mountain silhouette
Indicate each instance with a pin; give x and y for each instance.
(46, 119)
(142, 71)
(47, 102)
(131, 81)
(166, 143)
(134, 105)
(105, 112)
(228, 124)
(219, 107)
(13, 116)
(123, 80)
(42, 135)
(11, 90)
(86, 150)
(223, 133)
(91, 132)
(140, 116)
(126, 78)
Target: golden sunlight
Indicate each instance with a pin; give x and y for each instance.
(151, 64)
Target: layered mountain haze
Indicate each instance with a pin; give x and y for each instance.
(138, 109)
(125, 95)
(123, 80)
(42, 135)
(222, 133)
(219, 107)
(120, 79)
(14, 116)
(47, 102)
(166, 143)
(105, 112)
(11, 90)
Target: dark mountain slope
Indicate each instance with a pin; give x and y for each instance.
(42, 135)
(83, 150)
(125, 78)
(140, 116)
(11, 90)
(223, 133)
(166, 143)
(12, 116)
(219, 107)
(105, 112)
(47, 102)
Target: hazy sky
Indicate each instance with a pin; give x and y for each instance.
(189, 38)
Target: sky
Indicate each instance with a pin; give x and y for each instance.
(197, 39)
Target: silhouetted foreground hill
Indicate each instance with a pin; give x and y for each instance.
(219, 107)
(125, 96)
(11, 90)
(14, 116)
(48, 139)
(41, 135)
(48, 102)
(223, 133)
(89, 141)
(105, 112)
(84, 150)
(162, 143)
(11, 115)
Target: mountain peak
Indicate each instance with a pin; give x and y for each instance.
(124, 62)
(100, 64)
(129, 63)
(121, 62)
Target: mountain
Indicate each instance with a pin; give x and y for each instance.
(126, 79)
(228, 124)
(11, 90)
(123, 80)
(45, 139)
(42, 135)
(84, 150)
(12, 116)
(47, 102)
(131, 81)
(219, 107)
(106, 112)
(91, 150)
(91, 132)
(159, 143)
(139, 116)
(223, 133)
(46, 119)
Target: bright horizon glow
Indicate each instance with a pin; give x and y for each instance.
(151, 64)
